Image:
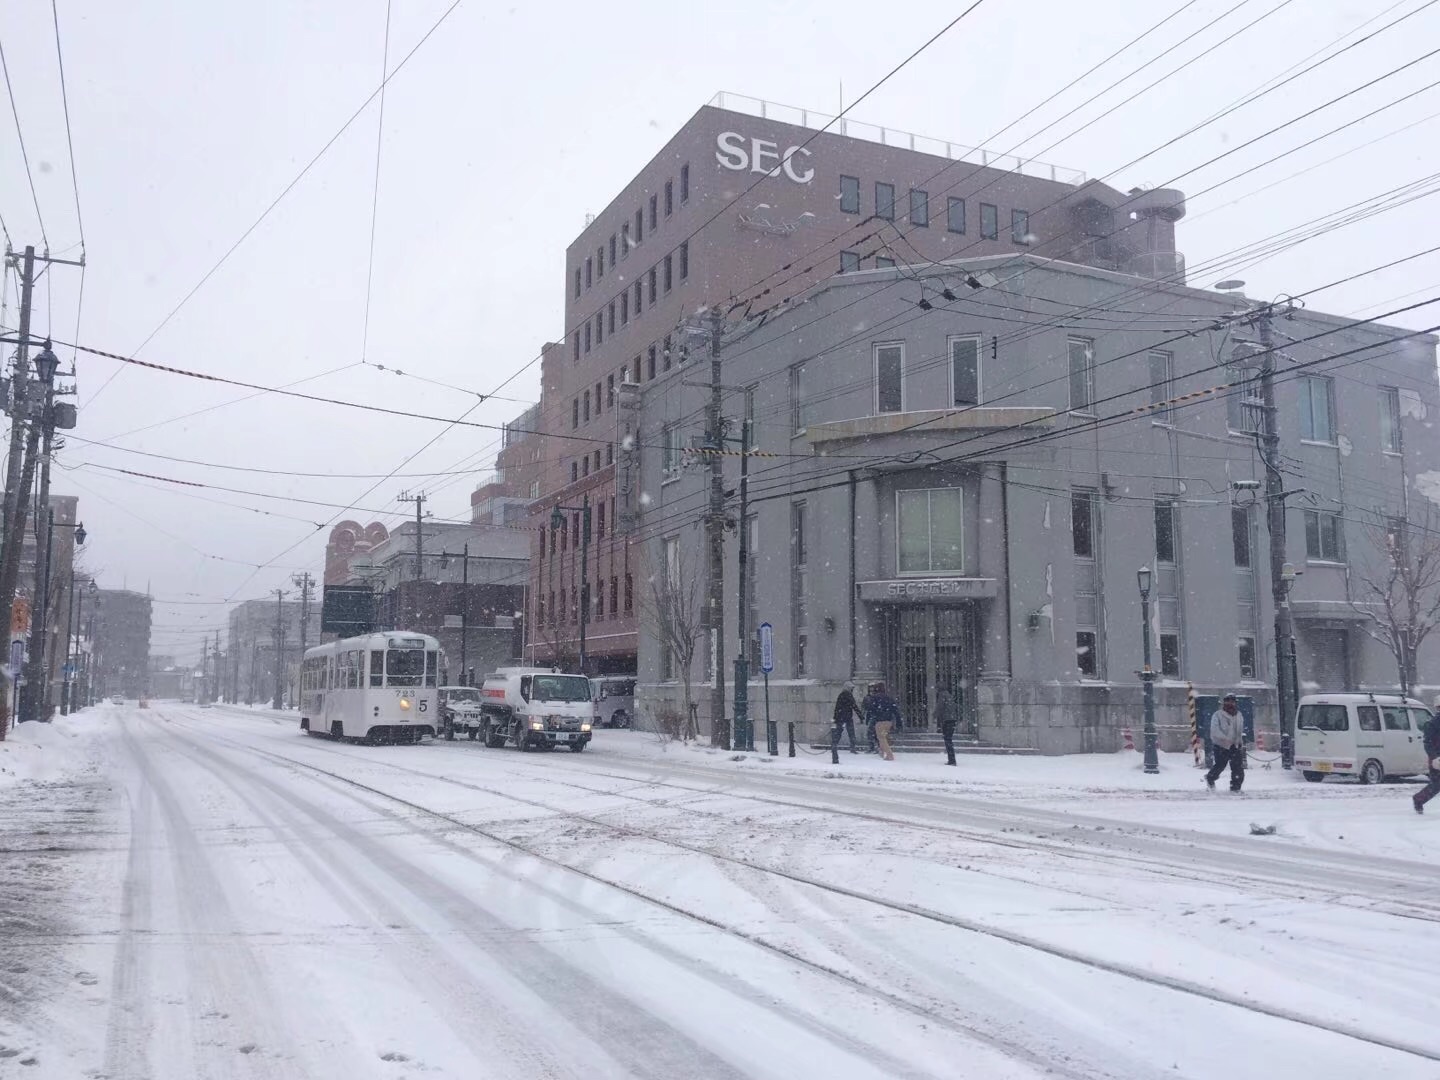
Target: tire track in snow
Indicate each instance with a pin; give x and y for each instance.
(1026, 941)
(131, 1020)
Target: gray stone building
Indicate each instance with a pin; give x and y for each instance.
(251, 646)
(121, 643)
(963, 467)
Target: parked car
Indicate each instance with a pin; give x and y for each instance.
(459, 710)
(1369, 736)
(614, 697)
(117, 700)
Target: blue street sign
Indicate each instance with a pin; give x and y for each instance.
(767, 648)
(69, 669)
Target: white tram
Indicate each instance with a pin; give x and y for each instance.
(376, 687)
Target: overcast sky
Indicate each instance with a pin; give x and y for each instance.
(502, 132)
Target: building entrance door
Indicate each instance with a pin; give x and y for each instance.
(929, 648)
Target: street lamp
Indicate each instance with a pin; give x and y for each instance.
(1147, 673)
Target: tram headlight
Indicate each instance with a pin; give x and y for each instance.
(405, 704)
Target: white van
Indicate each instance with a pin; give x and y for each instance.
(1371, 736)
(614, 697)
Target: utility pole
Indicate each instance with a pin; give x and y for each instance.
(279, 649)
(744, 727)
(715, 531)
(204, 670)
(19, 473)
(306, 583)
(1275, 526)
(464, 606)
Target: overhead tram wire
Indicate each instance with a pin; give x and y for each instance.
(1238, 103)
(285, 191)
(69, 137)
(375, 191)
(24, 153)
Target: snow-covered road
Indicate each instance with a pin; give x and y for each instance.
(208, 893)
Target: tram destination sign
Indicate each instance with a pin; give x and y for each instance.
(922, 590)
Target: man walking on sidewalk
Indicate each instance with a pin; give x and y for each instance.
(1432, 762)
(843, 719)
(881, 712)
(947, 713)
(1227, 735)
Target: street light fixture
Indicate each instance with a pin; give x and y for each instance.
(47, 364)
(1147, 673)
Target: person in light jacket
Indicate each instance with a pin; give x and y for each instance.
(1227, 736)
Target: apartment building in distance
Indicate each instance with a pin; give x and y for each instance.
(747, 205)
(504, 497)
(121, 646)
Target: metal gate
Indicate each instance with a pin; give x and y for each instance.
(929, 648)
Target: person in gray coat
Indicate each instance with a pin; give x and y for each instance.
(1227, 736)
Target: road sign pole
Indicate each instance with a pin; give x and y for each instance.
(767, 665)
(772, 740)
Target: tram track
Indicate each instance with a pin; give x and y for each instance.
(1012, 937)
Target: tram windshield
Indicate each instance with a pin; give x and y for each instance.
(404, 667)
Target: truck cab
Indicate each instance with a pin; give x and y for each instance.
(536, 708)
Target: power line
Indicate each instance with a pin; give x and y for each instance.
(375, 189)
(24, 154)
(69, 139)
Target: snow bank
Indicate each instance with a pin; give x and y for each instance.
(39, 752)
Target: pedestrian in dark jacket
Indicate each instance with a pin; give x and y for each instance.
(1227, 735)
(868, 713)
(881, 714)
(1432, 755)
(843, 719)
(947, 714)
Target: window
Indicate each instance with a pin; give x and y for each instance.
(929, 531)
(599, 327)
(629, 594)
(377, 667)
(650, 363)
(574, 414)
(599, 262)
(1020, 226)
(1396, 719)
(624, 307)
(669, 197)
(610, 326)
(667, 352)
(654, 211)
(614, 595)
(1086, 654)
(1317, 415)
(989, 222)
(610, 391)
(577, 283)
(684, 195)
(1395, 534)
(1082, 524)
(1243, 406)
(889, 378)
(639, 225)
(670, 456)
(585, 409)
(587, 335)
(883, 262)
(684, 260)
(637, 299)
(574, 471)
(669, 273)
(625, 239)
(919, 208)
(849, 261)
(885, 201)
(599, 602)
(1240, 536)
(1165, 531)
(965, 371)
(1323, 539)
(653, 278)
(612, 249)
(1245, 646)
(636, 378)
(797, 399)
(586, 471)
(600, 521)
(1162, 386)
(1324, 718)
(597, 398)
(575, 343)
(849, 195)
(610, 453)
(589, 272)
(1082, 374)
(955, 215)
(1369, 717)
(1390, 420)
(1170, 655)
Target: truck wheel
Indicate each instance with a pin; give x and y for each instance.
(494, 739)
(449, 731)
(522, 738)
(619, 719)
(1313, 777)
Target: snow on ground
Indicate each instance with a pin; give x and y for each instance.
(209, 893)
